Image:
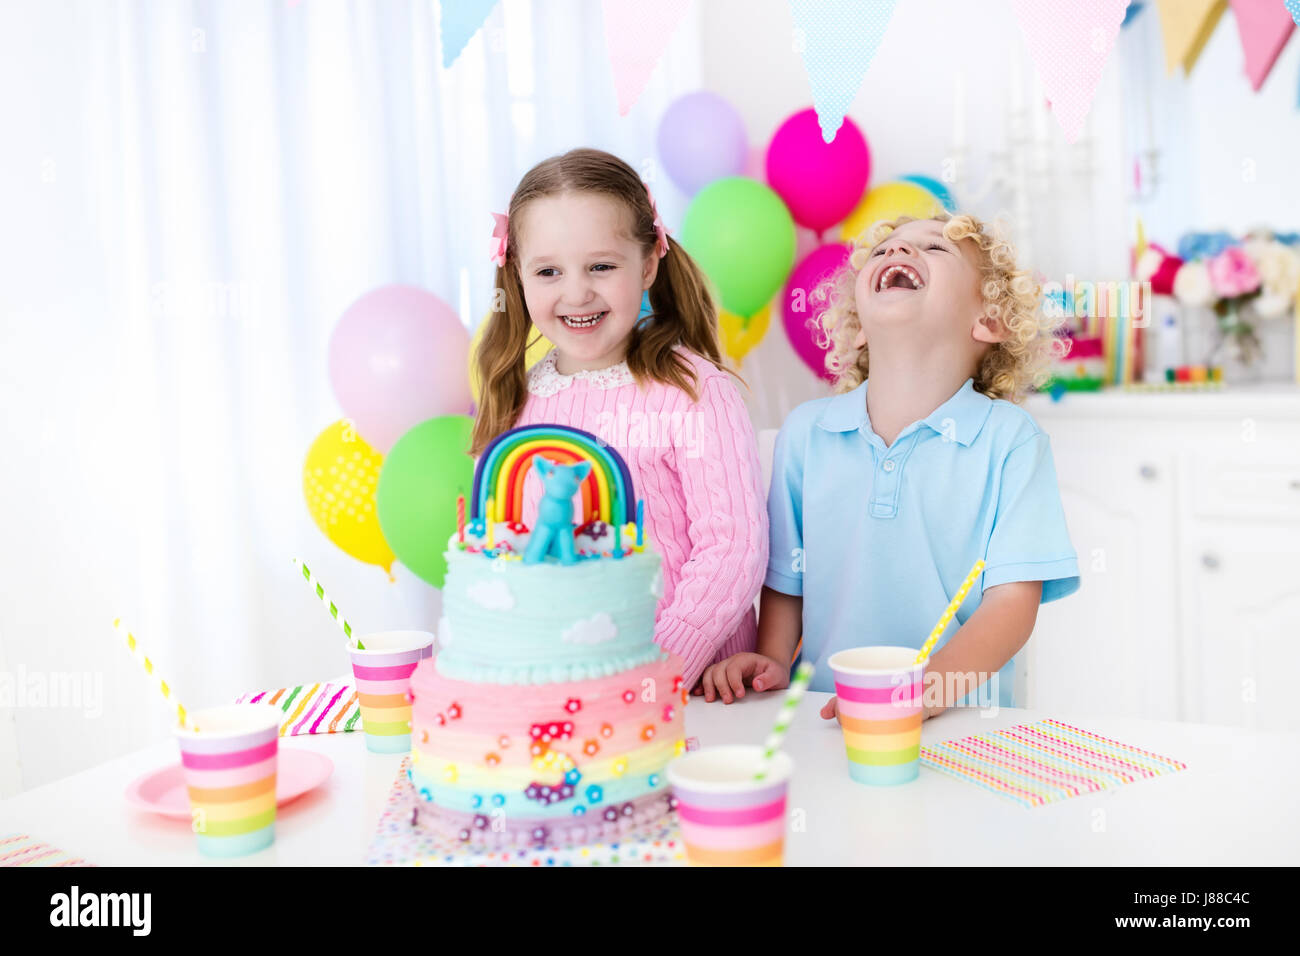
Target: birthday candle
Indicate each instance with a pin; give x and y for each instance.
(460, 518)
(617, 523)
(640, 522)
(491, 522)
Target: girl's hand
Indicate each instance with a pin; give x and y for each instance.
(727, 679)
(829, 710)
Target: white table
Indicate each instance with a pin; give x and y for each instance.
(1234, 805)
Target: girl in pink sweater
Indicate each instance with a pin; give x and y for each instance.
(581, 242)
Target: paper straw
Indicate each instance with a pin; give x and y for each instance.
(949, 611)
(329, 605)
(143, 658)
(798, 685)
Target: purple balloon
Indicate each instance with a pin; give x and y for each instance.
(821, 182)
(797, 307)
(701, 138)
(398, 357)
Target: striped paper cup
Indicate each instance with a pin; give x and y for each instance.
(880, 709)
(727, 817)
(383, 677)
(229, 768)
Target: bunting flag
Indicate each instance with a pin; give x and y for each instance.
(1293, 8)
(1264, 26)
(460, 20)
(1187, 25)
(838, 39)
(636, 34)
(1134, 8)
(1069, 41)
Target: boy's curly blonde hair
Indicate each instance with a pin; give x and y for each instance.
(1011, 296)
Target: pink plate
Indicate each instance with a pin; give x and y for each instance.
(163, 791)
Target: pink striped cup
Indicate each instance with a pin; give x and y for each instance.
(727, 817)
(880, 709)
(229, 769)
(383, 677)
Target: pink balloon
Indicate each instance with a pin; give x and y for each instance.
(756, 164)
(398, 357)
(821, 182)
(798, 309)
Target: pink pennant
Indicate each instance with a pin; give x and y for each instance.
(1265, 26)
(636, 34)
(1069, 41)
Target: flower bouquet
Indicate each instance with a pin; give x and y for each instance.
(1241, 280)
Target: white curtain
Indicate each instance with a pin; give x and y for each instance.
(193, 194)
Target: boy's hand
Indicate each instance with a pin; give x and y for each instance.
(727, 679)
(829, 710)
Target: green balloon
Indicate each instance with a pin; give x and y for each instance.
(742, 235)
(416, 497)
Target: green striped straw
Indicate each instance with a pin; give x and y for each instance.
(798, 685)
(330, 606)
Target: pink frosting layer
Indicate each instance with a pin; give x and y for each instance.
(465, 723)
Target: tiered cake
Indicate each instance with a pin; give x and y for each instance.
(549, 713)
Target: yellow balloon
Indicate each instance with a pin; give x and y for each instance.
(536, 352)
(339, 480)
(889, 201)
(740, 335)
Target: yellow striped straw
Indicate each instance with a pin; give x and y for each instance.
(134, 646)
(949, 611)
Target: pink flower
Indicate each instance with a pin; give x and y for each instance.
(1232, 273)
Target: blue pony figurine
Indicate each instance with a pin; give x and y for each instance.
(553, 533)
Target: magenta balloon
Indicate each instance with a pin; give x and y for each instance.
(813, 269)
(398, 357)
(821, 182)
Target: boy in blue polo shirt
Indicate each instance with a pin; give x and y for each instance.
(885, 495)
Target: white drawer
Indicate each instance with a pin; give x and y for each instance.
(1260, 488)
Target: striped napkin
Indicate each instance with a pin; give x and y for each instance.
(19, 849)
(328, 707)
(1045, 762)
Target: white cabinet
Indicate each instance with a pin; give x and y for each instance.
(1185, 512)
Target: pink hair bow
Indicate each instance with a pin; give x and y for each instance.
(660, 229)
(500, 238)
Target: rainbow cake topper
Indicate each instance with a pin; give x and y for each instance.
(607, 492)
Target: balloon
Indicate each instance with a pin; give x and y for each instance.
(422, 475)
(934, 187)
(889, 201)
(742, 236)
(701, 138)
(756, 164)
(396, 358)
(338, 480)
(740, 335)
(536, 352)
(797, 306)
(821, 182)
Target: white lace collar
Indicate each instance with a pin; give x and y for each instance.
(544, 380)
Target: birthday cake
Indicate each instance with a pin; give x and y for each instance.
(549, 713)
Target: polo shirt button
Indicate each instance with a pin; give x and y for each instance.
(888, 465)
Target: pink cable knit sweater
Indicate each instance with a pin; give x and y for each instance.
(696, 466)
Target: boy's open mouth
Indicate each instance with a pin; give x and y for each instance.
(899, 276)
(585, 321)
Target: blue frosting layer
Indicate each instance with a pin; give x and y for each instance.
(506, 622)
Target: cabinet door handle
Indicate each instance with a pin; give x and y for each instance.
(1210, 562)
(1148, 472)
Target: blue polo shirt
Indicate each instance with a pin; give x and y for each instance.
(878, 538)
